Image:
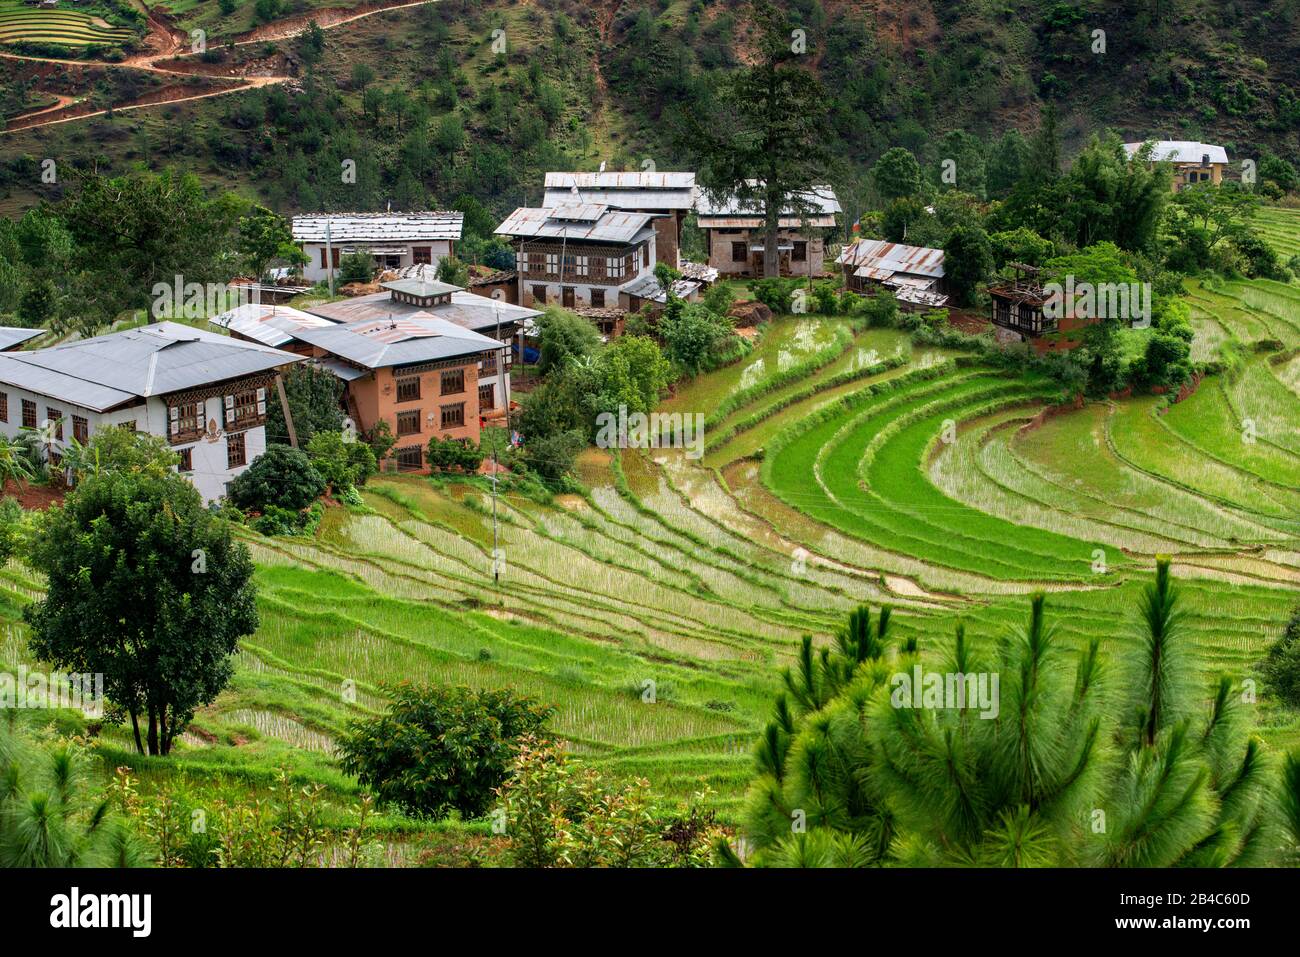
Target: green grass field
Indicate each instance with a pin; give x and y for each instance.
(923, 482)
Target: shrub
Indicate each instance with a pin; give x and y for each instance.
(356, 267)
(439, 749)
(1281, 668)
(444, 454)
(280, 476)
(342, 464)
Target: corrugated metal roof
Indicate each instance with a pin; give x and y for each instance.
(819, 201)
(12, 336)
(631, 199)
(269, 324)
(468, 310)
(615, 226)
(880, 259)
(755, 222)
(157, 359)
(378, 227)
(393, 342)
(1180, 151)
(579, 212)
(621, 180)
(419, 286)
(647, 287)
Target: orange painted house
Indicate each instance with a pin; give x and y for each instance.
(419, 373)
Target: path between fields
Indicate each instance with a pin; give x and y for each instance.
(165, 42)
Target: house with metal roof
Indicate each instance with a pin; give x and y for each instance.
(583, 256)
(267, 324)
(1192, 162)
(913, 274)
(417, 293)
(670, 196)
(205, 393)
(15, 337)
(393, 240)
(418, 373)
(734, 229)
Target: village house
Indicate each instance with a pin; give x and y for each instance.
(416, 294)
(418, 373)
(734, 233)
(1019, 312)
(1193, 162)
(667, 196)
(913, 274)
(392, 240)
(205, 393)
(583, 256)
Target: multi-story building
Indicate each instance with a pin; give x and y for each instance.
(392, 240)
(667, 196)
(581, 256)
(206, 394)
(417, 295)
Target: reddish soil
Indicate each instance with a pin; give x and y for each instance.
(971, 323)
(31, 496)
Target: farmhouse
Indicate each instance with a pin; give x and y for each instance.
(393, 240)
(914, 274)
(416, 294)
(205, 393)
(669, 196)
(1022, 309)
(1193, 162)
(583, 256)
(734, 232)
(419, 374)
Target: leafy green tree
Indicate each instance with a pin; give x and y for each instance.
(631, 371)
(15, 464)
(764, 136)
(1203, 216)
(116, 448)
(452, 270)
(144, 586)
(280, 476)
(1280, 669)
(897, 175)
(356, 267)
(1066, 762)
(692, 336)
(314, 396)
(440, 749)
(341, 463)
(1021, 245)
(564, 336)
(967, 261)
(1006, 164)
(264, 236)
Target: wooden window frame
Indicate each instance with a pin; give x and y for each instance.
(457, 379)
(81, 429)
(595, 295)
(236, 440)
(55, 418)
(456, 411)
(4, 406)
(408, 416)
(404, 393)
(29, 414)
(187, 460)
(744, 252)
(487, 397)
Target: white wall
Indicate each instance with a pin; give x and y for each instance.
(210, 474)
(315, 272)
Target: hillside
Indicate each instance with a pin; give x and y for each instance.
(431, 111)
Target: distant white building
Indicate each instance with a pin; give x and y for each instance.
(1193, 162)
(206, 394)
(735, 232)
(393, 240)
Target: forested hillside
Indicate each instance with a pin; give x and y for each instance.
(444, 101)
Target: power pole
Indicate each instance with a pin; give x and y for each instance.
(329, 256)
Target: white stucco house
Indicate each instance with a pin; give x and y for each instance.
(205, 393)
(392, 240)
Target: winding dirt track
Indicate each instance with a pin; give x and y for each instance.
(164, 42)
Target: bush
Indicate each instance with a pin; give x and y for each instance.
(444, 454)
(774, 292)
(1281, 668)
(439, 749)
(280, 476)
(356, 267)
(342, 464)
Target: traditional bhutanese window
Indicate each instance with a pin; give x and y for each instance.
(598, 299)
(422, 255)
(487, 397)
(408, 423)
(453, 381)
(800, 252)
(244, 408)
(410, 459)
(408, 388)
(236, 451)
(453, 416)
(582, 265)
(187, 461)
(186, 421)
(80, 429)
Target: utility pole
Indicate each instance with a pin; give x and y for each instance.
(329, 256)
(496, 553)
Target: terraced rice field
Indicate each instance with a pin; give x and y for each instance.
(654, 611)
(1281, 228)
(67, 27)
